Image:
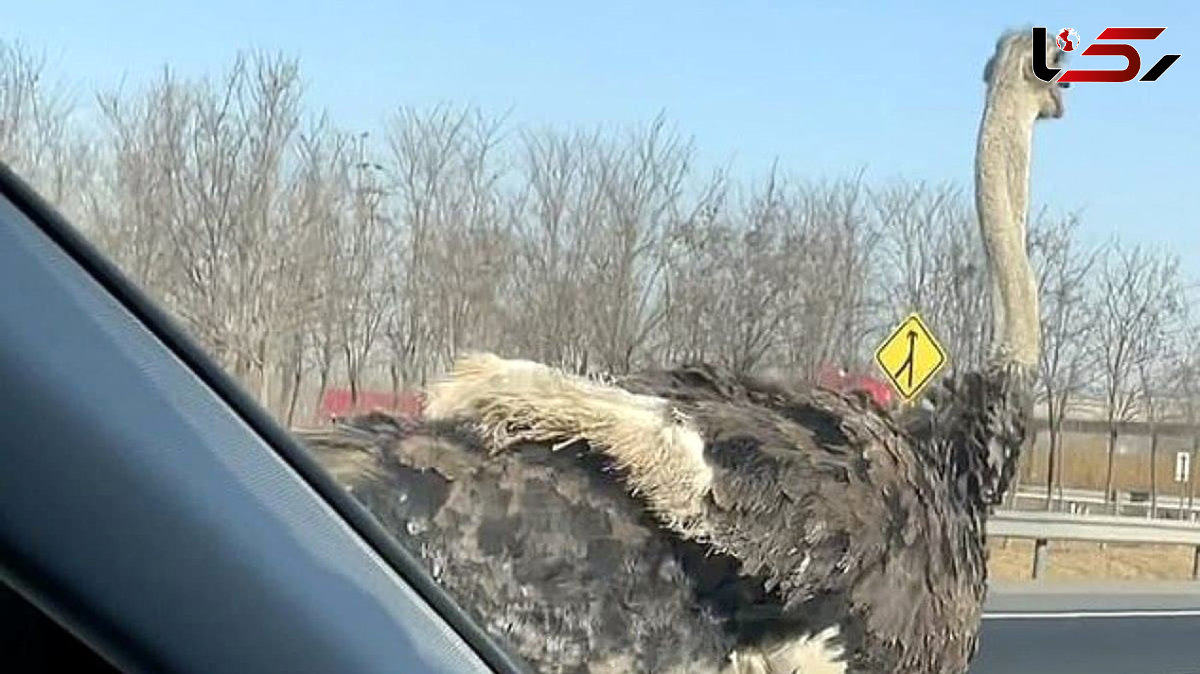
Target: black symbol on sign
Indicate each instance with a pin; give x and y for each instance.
(908, 360)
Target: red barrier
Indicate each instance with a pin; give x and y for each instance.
(337, 403)
(833, 377)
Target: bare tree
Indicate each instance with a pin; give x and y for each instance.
(694, 272)
(832, 245)
(319, 206)
(1160, 371)
(636, 200)
(360, 254)
(37, 137)
(777, 282)
(1150, 376)
(1139, 293)
(732, 286)
(203, 175)
(1062, 271)
(932, 262)
(553, 221)
(1186, 384)
(449, 257)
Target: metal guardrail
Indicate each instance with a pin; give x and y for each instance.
(1045, 526)
(1124, 428)
(1099, 528)
(1068, 494)
(1079, 501)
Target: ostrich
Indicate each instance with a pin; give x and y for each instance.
(689, 520)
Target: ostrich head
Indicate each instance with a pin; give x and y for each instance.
(999, 400)
(1010, 72)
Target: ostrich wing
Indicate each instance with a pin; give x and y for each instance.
(544, 549)
(823, 498)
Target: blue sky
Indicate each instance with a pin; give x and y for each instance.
(826, 87)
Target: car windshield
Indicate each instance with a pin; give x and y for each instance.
(342, 202)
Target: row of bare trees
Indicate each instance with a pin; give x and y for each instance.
(304, 255)
(1115, 329)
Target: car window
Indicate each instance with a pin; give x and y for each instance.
(169, 524)
(607, 192)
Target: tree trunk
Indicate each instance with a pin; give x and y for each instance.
(394, 374)
(1192, 473)
(1051, 454)
(323, 383)
(286, 373)
(1109, 496)
(1013, 488)
(264, 371)
(291, 376)
(294, 395)
(352, 375)
(1153, 470)
(1059, 472)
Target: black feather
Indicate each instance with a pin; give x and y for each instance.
(825, 511)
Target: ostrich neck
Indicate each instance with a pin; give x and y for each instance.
(1002, 201)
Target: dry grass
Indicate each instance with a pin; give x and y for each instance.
(1013, 560)
(1085, 462)
(1084, 466)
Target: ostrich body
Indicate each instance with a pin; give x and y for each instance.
(689, 520)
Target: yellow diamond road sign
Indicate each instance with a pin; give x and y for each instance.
(910, 357)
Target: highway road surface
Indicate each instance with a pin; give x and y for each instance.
(1093, 628)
